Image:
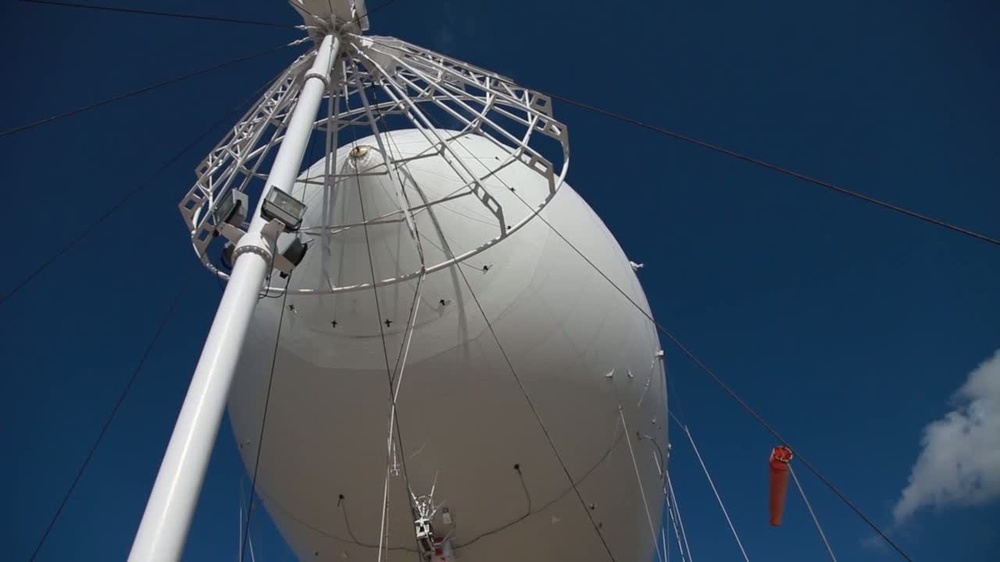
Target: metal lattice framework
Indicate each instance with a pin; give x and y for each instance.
(381, 84)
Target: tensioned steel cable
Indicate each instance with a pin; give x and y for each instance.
(780, 169)
(537, 416)
(725, 387)
(711, 483)
(385, 349)
(791, 173)
(117, 206)
(263, 418)
(718, 380)
(168, 314)
(524, 392)
(144, 89)
(394, 423)
(638, 479)
(446, 250)
(815, 519)
(188, 16)
(655, 128)
(396, 378)
(682, 541)
(159, 13)
(764, 164)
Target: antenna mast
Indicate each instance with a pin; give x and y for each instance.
(371, 82)
(170, 509)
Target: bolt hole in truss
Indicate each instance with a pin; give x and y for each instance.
(420, 133)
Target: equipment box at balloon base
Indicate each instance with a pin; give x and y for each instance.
(442, 552)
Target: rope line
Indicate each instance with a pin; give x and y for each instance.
(776, 168)
(385, 350)
(447, 251)
(144, 89)
(600, 461)
(694, 358)
(638, 479)
(674, 339)
(812, 513)
(189, 16)
(342, 505)
(159, 13)
(711, 483)
(524, 392)
(263, 420)
(242, 507)
(768, 165)
(783, 441)
(118, 205)
(398, 378)
(534, 411)
(685, 548)
(114, 413)
(388, 369)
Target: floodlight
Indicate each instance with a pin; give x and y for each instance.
(232, 209)
(283, 207)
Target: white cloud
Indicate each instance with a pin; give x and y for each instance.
(960, 461)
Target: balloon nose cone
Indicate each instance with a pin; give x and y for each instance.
(364, 158)
(359, 152)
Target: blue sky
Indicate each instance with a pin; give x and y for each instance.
(847, 327)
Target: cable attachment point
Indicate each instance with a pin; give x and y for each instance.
(432, 547)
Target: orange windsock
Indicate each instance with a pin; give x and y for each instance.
(780, 457)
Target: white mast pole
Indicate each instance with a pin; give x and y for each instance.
(170, 509)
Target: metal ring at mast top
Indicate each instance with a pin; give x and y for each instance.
(495, 144)
(321, 17)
